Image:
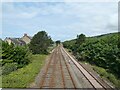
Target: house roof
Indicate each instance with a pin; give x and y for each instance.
(25, 35)
(16, 40)
(21, 41)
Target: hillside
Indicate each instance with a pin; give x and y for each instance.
(101, 51)
(94, 37)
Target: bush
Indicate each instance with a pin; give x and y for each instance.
(9, 67)
(101, 71)
(5, 61)
(19, 54)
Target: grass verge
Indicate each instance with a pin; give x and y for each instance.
(0, 82)
(24, 76)
(109, 76)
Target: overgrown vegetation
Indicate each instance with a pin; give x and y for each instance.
(106, 75)
(14, 57)
(24, 76)
(19, 65)
(101, 51)
(40, 43)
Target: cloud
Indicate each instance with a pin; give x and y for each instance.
(60, 0)
(11, 11)
(27, 15)
(0, 20)
(63, 20)
(114, 19)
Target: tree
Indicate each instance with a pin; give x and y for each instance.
(57, 42)
(80, 39)
(40, 43)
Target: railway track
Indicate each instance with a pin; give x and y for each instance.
(63, 78)
(44, 77)
(73, 83)
(59, 74)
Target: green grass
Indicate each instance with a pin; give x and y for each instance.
(109, 76)
(24, 76)
(0, 78)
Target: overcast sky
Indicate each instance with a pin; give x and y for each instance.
(61, 20)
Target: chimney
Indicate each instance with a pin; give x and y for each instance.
(25, 34)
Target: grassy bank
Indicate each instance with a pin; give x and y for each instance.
(106, 75)
(24, 76)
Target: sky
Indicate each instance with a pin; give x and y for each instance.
(61, 20)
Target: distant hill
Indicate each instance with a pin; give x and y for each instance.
(108, 34)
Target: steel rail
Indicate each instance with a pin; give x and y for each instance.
(44, 76)
(63, 79)
(68, 70)
(51, 83)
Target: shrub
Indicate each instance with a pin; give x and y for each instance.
(9, 67)
(6, 61)
(19, 54)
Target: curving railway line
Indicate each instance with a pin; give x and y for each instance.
(63, 71)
